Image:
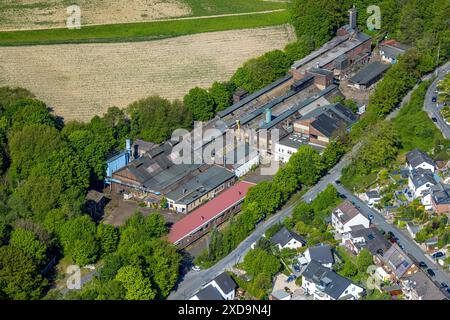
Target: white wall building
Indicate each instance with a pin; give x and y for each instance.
(345, 216)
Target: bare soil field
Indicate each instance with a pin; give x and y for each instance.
(38, 14)
(80, 81)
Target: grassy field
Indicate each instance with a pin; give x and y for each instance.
(140, 31)
(214, 7)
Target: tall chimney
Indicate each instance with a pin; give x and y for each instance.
(353, 15)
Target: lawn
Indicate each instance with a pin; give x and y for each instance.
(140, 31)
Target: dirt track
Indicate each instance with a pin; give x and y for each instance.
(80, 81)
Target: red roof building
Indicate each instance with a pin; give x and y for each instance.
(214, 212)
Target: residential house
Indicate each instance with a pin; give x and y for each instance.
(371, 197)
(321, 253)
(419, 286)
(395, 264)
(325, 284)
(366, 238)
(416, 159)
(390, 50)
(412, 229)
(440, 198)
(287, 239)
(221, 287)
(325, 123)
(207, 293)
(345, 216)
(420, 181)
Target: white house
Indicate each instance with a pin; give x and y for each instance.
(345, 216)
(287, 239)
(325, 284)
(412, 229)
(416, 159)
(371, 197)
(287, 146)
(420, 181)
(221, 287)
(321, 253)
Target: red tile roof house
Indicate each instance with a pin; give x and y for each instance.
(213, 213)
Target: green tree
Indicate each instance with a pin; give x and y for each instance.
(222, 95)
(305, 164)
(200, 103)
(77, 236)
(108, 236)
(26, 241)
(258, 261)
(259, 72)
(19, 276)
(30, 112)
(137, 286)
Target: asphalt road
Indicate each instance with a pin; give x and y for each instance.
(193, 281)
(431, 107)
(410, 247)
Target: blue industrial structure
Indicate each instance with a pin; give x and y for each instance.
(118, 161)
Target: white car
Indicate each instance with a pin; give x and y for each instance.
(196, 268)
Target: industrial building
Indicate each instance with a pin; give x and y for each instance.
(211, 214)
(368, 75)
(337, 57)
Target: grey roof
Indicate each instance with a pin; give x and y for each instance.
(331, 50)
(209, 293)
(422, 177)
(321, 253)
(330, 118)
(391, 51)
(397, 260)
(200, 185)
(424, 287)
(294, 140)
(417, 157)
(94, 195)
(320, 71)
(253, 96)
(369, 73)
(225, 282)
(297, 107)
(441, 193)
(283, 236)
(374, 241)
(280, 294)
(332, 283)
(373, 194)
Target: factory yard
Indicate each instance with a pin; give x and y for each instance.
(80, 81)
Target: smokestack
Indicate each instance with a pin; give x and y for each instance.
(353, 15)
(268, 115)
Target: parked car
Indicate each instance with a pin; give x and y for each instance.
(444, 285)
(342, 196)
(438, 254)
(431, 272)
(448, 290)
(434, 119)
(423, 265)
(292, 277)
(296, 267)
(370, 217)
(338, 181)
(433, 99)
(196, 268)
